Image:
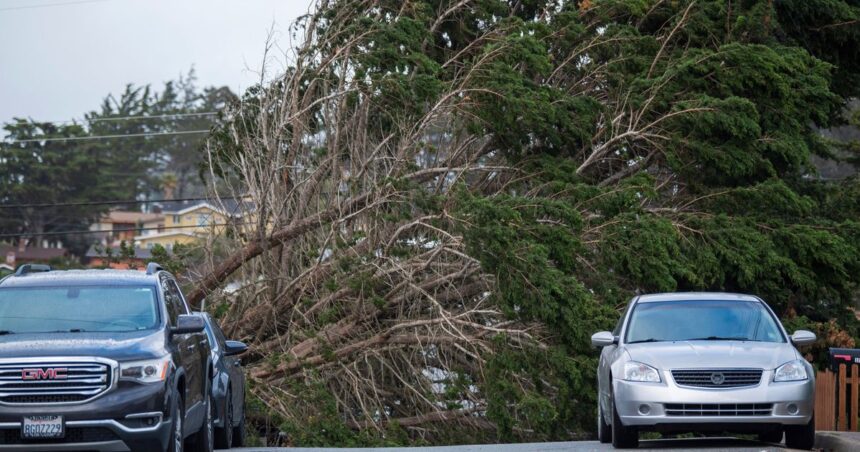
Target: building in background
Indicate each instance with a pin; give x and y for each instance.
(117, 226)
(186, 221)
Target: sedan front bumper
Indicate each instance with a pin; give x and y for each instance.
(666, 404)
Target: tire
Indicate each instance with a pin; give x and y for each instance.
(177, 416)
(800, 436)
(204, 439)
(623, 437)
(239, 432)
(771, 436)
(604, 431)
(224, 435)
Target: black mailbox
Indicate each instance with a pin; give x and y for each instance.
(847, 356)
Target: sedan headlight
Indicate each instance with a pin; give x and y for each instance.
(634, 371)
(146, 371)
(791, 371)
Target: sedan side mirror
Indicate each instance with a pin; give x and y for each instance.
(188, 323)
(803, 337)
(232, 348)
(603, 339)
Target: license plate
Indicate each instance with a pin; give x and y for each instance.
(35, 427)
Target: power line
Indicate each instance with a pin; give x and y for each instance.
(132, 118)
(108, 203)
(123, 118)
(104, 137)
(113, 231)
(46, 5)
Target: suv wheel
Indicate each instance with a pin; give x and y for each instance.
(604, 431)
(177, 415)
(800, 436)
(623, 437)
(224, 435)
(204, 439)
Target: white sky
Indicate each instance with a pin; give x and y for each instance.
(58, 62)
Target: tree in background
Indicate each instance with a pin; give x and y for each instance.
(451, 196)
(126, 167)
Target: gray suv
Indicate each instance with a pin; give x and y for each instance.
(703, 362)
(102, 360)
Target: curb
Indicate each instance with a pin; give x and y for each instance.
(837, 441)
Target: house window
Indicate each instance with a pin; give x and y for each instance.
(177, 219)
(203, 219)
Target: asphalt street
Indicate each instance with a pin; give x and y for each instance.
(711, 444)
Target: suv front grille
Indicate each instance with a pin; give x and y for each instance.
(718, 409)
(717, 378)
(52, 381)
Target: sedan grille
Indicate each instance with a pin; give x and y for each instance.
(719, 409)
(717, 378)
(49, 382)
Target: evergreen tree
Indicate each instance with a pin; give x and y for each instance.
(656, 146)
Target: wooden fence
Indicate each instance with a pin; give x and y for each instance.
(837, 399)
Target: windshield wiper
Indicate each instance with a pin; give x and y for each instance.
(720, 338)
(650, 339)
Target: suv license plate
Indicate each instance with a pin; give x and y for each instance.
(35, 427)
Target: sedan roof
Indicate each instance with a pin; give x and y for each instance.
(696, 296)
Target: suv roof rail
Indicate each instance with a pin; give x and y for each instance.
(153, 268)
(32, 268)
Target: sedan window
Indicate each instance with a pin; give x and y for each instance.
(716, 320)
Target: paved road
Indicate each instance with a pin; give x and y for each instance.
(711, 444)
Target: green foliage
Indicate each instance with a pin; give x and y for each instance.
(178, 258)
(657, 146)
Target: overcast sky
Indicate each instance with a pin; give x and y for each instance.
(59, 61)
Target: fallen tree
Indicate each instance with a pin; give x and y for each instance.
(445, 199)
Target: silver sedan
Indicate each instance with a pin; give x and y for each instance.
(704, 362)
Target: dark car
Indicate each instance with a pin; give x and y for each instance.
(228, 386)
(102, 360)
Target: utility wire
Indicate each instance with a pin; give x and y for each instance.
(121, 118)
(46, 5)
(108, 203)
(87, 231)
(105, 137)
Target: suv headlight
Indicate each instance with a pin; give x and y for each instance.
(145, 371)
(791, 371)
(634, 371)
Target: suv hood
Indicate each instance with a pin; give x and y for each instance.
(712, 354)
(111, 345)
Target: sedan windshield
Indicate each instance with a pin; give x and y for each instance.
(702, 320)
(77, 309)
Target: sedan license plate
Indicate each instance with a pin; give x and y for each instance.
(36, 427)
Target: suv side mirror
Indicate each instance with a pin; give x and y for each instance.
(188, 323)
(803, 337)
(232, 348)
(603, 339)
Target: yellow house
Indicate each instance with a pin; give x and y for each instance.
(184, 222)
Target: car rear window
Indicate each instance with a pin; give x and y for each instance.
(78, 308)
(702, 320)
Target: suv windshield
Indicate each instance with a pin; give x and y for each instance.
(77, 309)
(702, 320)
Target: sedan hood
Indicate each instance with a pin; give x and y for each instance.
(712, 354)
(120, 346)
